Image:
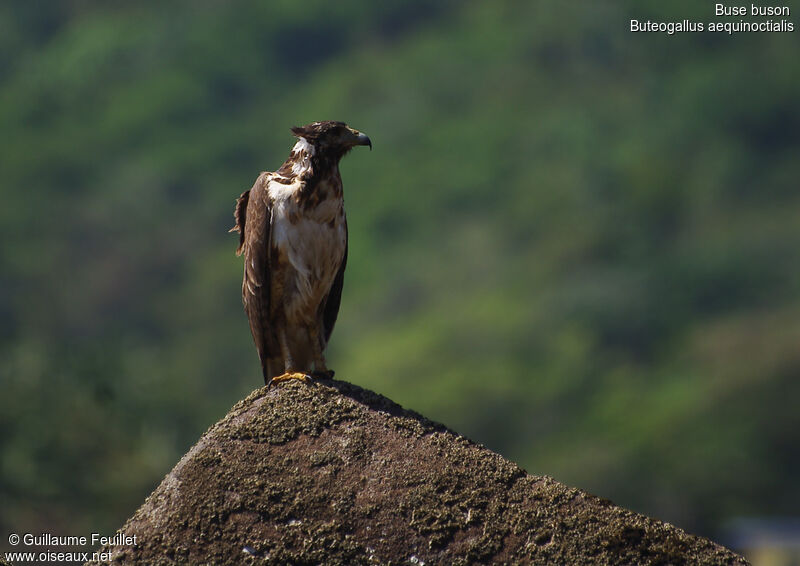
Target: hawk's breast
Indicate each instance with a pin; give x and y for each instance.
(310, 239)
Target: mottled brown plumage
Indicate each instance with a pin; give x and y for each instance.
(293, 234)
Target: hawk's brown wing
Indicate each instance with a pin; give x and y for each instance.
(334, 297)
(254, 219)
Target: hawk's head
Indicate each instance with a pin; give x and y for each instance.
(333, 138)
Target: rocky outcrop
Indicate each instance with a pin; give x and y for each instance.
(331, 473)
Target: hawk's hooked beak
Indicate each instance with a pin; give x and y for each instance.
(363, 139)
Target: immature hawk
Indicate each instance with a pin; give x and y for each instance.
(293, 233)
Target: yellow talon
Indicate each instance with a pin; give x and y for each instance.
(290, 375)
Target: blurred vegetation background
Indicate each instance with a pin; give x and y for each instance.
(577, 245)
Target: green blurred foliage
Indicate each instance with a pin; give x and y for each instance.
(577, 245)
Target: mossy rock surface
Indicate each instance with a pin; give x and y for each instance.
(331, 473)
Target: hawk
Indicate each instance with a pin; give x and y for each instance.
(293, 234)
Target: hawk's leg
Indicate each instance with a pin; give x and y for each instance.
(321, 370)
(288, 364)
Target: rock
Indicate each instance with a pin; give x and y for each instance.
(331, 473)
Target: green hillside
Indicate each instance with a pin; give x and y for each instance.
(577, 245)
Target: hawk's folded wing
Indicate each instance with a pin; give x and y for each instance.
(254, 220)
(334, 297)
